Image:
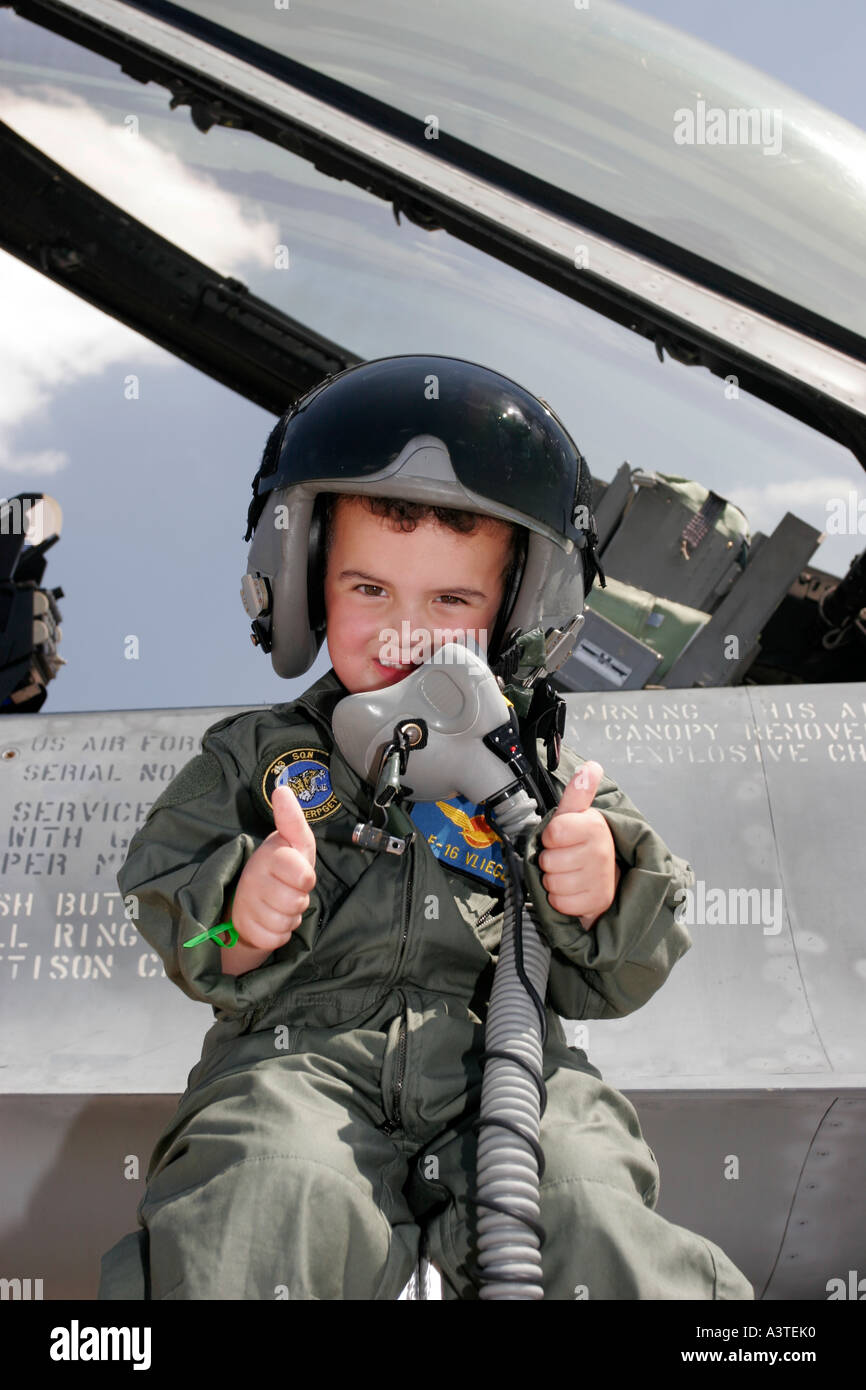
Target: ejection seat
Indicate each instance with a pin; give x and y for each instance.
(684, 578)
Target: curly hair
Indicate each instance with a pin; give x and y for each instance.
(407, 515)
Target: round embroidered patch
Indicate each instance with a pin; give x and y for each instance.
(306, 771)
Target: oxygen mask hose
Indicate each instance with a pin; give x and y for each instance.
(510, 1162)
(448, 729)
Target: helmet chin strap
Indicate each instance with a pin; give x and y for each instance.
(514, 580)
(524, 668)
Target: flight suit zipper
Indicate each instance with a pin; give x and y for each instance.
(407, 914)
(395, 1123)
(490, 912)
(401, 1067)
(397, 1085)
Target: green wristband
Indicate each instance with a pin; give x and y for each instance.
(213, 935)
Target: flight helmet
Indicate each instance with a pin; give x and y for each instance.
(430, 429)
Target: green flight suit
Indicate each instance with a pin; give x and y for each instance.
(327, 1128)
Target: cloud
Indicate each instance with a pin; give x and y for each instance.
(143, 178)
(805, 497)
(45, 462)
(51, 339)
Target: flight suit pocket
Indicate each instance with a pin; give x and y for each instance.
(393, 1068)
(488, 929)
(482, 913)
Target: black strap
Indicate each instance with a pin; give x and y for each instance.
(515, 1129)
(544, 720)
(535, 1226)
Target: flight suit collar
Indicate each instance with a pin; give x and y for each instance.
(319, 702)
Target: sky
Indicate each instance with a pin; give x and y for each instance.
(816, 49)
(152, 461)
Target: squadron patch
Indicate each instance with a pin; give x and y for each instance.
(461, 837)
(306, 771)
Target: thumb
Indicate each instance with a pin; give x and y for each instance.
(291, 823)
(580, 791)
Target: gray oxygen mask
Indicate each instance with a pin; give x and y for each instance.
(445, 730)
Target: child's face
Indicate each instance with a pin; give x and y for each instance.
(379, 578)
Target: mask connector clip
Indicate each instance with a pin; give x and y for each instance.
(408, 734)
(368, 836)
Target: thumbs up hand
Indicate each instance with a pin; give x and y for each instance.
(578, 862)
(273, 892)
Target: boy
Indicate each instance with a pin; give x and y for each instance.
(328, 1128)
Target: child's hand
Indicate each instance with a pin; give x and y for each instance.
(273, 891)
(579, 869)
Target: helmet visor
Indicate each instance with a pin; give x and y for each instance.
(504, 444)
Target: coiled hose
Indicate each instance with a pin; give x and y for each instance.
(510, 1162)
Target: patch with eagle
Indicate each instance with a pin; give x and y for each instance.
(306, 771)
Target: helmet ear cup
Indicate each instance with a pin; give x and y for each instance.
(316, 558)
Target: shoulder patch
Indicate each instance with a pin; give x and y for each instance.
(307, 772)
(459, 836)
